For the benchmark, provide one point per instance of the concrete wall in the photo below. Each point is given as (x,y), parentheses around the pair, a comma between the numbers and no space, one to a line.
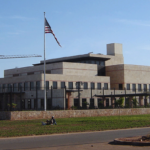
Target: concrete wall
(55,68)
(79,69)
(116,74)
(131,74)
(137,74)
(27,115)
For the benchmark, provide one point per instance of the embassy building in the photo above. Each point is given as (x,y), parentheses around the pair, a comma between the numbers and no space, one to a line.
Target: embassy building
(82,81)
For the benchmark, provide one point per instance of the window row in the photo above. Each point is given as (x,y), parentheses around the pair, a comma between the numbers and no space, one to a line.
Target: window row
(101,63)
(81,85)
(26,86)
(139,87)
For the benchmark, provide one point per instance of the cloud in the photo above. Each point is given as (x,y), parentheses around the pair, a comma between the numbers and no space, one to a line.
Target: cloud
(134,22)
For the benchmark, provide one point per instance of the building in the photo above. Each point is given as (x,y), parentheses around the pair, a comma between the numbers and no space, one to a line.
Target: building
(94,79)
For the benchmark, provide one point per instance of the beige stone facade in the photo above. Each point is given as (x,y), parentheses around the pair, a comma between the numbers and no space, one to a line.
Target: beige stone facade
(100,77)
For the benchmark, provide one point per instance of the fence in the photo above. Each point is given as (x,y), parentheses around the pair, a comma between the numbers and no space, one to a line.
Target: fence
(32,98)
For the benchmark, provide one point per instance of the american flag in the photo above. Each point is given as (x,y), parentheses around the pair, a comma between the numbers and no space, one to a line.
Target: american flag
(49,30)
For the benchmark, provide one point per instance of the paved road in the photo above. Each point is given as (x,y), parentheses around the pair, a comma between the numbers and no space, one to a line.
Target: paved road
(68,139)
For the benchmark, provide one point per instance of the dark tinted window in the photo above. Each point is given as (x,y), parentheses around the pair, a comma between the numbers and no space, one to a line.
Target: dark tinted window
(139,87)
(92,85)
(145,87)
(47,85)
(54,85)
(38,85)
(70,85)
(62,84)
(106,86)
(85,85)
(133,87)
(128,86)
(99,86)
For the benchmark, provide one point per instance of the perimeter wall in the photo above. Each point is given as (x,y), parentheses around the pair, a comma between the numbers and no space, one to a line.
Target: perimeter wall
(28,115)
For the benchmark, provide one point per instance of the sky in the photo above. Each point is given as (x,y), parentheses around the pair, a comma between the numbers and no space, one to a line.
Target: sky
(81,26)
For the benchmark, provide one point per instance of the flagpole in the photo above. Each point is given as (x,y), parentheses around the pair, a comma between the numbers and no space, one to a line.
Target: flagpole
(44,69)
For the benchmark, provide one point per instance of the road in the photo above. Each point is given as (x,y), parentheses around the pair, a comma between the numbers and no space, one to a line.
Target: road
(69,139)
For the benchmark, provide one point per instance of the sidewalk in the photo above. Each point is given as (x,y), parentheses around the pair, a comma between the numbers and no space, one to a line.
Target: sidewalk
(95,146)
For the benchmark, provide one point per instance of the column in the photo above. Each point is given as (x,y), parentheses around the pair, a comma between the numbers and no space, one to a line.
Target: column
(95,103)
(141,101)
(130,101)
(104,101)
(113,102)
(88,101)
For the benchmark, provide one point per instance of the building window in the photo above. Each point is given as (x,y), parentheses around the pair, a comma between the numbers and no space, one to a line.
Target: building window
(9,88)
(100,103)
(106,86)
(29,103)
(107,102)
(93,61)
(102,63)
(62,85)
(92,85)
(145,87)
(97,62)
(99,86)
(25,86)
(3,87)
(54,85)
(76,102)
(15,75)
(91,103)
(47,85)
(139,87)
(30,73)
(120,87)
(77,85)
(19,86)
(128,86)
(48,71)
(15,87)
(38,85)
(133,87)
(42,104)
(70,85)
(84,106)
(31,85)
(85,85)
(23,104)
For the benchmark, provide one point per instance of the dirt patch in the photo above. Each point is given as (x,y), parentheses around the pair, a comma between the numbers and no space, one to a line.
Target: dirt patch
(137,141)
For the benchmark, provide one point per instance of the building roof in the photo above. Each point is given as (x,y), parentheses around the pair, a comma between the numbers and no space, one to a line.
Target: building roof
(76,58)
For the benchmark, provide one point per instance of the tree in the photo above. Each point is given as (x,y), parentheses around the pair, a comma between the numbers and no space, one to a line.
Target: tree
(119,102)
(135,102)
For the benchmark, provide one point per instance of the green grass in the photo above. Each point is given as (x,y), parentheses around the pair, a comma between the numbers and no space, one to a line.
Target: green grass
(65,125)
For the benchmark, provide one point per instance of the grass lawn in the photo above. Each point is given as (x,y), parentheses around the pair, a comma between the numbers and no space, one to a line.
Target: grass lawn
(65,125)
